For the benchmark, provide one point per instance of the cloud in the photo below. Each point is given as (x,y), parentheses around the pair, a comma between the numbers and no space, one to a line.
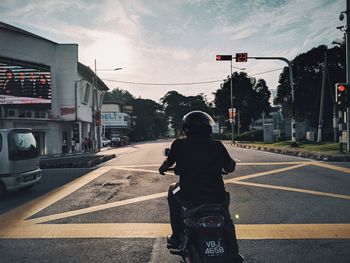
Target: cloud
(176,41)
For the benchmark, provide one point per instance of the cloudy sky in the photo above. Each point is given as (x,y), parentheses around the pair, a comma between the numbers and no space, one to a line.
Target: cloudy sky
(175,41)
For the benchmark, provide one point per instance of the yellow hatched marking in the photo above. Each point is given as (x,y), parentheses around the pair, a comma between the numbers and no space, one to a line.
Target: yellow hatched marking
(239,164)
(244,177)
(95,208)
(150,230)
(139,199)
(332,167)
(12,224)
(291,189)
(163,194)
(36,205)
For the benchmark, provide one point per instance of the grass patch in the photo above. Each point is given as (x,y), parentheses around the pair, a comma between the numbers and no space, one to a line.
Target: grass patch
(327,147)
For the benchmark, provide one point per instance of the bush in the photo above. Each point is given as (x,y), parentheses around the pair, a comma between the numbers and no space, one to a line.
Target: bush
(255,135)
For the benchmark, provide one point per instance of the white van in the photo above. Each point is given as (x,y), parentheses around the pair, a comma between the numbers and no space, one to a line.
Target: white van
(19,159)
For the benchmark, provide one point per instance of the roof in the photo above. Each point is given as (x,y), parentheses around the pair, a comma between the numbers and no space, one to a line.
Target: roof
(89,75)
(119,102)
(21,31)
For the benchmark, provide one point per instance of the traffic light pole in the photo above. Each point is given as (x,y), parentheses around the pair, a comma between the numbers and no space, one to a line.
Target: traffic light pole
(291,87)
(347,34)
(340,123)
(232,124)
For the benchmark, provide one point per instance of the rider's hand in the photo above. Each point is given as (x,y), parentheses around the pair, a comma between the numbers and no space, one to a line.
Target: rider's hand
(162,169)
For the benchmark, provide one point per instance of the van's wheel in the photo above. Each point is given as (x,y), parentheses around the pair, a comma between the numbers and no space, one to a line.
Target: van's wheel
(3,189)
(26,188)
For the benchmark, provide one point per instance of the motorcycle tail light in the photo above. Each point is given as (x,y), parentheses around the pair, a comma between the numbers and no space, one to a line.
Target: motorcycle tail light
(211,221)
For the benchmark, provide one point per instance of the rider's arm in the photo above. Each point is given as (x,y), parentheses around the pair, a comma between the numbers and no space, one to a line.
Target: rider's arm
(229,164)
(170,160)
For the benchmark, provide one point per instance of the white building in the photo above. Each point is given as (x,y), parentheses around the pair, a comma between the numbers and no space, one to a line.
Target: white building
(116,119)
(65,111)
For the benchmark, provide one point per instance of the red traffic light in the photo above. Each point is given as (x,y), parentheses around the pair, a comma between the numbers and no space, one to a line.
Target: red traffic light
(341,88)
(223,57)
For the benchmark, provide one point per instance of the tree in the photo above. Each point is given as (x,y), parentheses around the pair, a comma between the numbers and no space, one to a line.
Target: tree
(307,70)
(150,120)
(250,98)
(177,105)
(118,95)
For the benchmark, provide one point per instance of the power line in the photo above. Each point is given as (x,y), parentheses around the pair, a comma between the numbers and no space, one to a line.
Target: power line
(183,83)
(260,73)
(163,84)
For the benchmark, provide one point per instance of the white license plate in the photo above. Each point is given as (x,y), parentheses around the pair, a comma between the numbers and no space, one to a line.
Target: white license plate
(214,248)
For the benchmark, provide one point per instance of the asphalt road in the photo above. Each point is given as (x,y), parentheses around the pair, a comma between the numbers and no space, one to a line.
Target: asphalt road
(286,209)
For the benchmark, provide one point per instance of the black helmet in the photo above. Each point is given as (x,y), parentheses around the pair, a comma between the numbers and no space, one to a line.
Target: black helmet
(197,123)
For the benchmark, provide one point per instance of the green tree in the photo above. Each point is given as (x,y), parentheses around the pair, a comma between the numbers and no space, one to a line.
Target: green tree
(250,98)
(118,95)
(307,70)
(150,120)
(177,105)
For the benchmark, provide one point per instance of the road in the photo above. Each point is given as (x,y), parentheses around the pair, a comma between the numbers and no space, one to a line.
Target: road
(286,209)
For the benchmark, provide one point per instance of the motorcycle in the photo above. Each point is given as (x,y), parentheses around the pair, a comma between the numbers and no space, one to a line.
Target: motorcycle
(203,239)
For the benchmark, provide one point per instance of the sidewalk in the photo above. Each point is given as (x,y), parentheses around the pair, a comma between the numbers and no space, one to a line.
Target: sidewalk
(76,160)
(299,152)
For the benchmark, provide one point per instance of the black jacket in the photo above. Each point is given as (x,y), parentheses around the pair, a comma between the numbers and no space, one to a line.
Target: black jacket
(199,163)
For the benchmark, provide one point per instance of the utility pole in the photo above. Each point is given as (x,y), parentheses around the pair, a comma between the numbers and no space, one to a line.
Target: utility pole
(93,112)
(320,118)
(347,34)
(232,120)
(239,123)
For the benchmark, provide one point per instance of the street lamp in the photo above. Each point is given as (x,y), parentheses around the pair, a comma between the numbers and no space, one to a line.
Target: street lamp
(108,69)
(94,110)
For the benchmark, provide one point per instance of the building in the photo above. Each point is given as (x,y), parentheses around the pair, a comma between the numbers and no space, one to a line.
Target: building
(116,119)
(45,88)
(274,120)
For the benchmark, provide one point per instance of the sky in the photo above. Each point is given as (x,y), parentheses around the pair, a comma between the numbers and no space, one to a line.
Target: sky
(175,41)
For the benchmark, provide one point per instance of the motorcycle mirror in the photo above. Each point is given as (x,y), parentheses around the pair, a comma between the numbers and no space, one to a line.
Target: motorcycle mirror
(166,151)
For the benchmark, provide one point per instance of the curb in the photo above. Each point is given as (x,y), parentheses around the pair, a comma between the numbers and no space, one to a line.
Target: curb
(75,162)
(309,155)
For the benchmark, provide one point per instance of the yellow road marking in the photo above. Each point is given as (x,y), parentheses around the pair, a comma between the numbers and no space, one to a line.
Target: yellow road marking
(244,177)
(95,208)
(142,198)
(150,230)
(272,163)
(12,224)
(240,164)
(140,165)
(291,189)
(36,205)
(332,167)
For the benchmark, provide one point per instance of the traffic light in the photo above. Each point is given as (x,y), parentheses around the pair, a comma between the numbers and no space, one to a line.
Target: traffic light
(98,117)
(223,57)
(342,98)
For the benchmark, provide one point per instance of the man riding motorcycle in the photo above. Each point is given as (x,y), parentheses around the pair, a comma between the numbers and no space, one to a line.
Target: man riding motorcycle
(199,163)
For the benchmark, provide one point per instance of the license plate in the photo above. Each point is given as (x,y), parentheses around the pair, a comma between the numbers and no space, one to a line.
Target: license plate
(214,248)
(29,177)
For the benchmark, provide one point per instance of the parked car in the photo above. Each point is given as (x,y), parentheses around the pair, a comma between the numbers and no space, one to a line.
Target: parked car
(116,141)
(106,142)
(125,140)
